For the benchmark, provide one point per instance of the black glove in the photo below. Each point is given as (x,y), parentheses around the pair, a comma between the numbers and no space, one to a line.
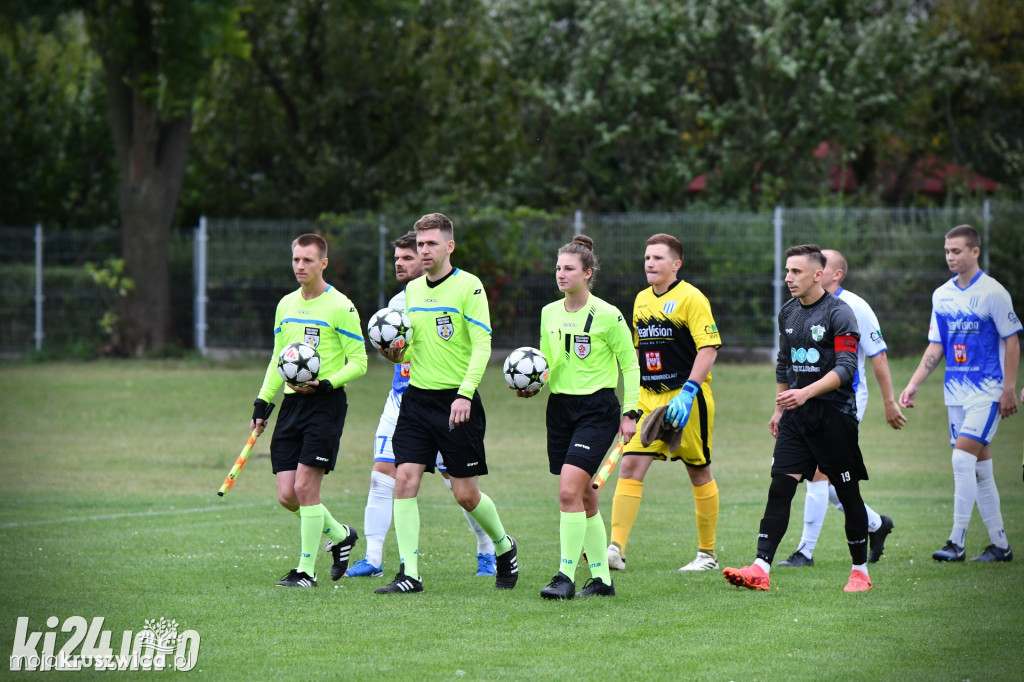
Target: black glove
(324,386)
(261,409)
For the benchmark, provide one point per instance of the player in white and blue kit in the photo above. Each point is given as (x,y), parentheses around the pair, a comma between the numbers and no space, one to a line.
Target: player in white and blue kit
(973,325)
(872,345)
(377,516)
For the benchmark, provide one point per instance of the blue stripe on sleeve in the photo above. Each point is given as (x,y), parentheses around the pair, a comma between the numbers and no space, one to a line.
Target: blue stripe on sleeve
(299,320)
(479,324)
(350,335)
(434,310)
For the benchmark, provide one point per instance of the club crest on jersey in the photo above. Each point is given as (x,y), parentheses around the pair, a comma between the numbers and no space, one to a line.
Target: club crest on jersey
(960,353)
(668,307)
(581,345)
(817,332)
(445,328)
(311,335)
(652,359)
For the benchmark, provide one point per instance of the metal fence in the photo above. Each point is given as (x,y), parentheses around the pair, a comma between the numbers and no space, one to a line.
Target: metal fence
(48,298)
(230,274)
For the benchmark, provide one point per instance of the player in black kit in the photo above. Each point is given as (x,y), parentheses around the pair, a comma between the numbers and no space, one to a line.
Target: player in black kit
(815,419)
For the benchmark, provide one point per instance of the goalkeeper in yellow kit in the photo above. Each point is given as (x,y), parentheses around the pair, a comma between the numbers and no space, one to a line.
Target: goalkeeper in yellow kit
(677,342)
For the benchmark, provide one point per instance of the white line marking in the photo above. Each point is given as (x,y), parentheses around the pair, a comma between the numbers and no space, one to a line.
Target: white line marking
(128,515)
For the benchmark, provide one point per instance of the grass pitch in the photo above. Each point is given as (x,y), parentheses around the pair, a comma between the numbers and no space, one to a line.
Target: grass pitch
(108,507)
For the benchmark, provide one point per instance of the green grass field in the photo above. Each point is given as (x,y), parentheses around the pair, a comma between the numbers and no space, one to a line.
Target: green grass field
(108,507)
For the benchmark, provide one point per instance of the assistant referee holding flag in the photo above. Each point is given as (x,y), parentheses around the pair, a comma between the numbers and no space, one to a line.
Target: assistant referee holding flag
(305,444)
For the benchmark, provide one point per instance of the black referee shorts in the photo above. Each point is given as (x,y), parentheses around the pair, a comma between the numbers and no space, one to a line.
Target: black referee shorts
(581,428)
(308,431)
(816,435)
(422,431)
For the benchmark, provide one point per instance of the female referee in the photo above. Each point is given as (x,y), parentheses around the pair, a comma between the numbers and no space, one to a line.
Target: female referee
(586,342)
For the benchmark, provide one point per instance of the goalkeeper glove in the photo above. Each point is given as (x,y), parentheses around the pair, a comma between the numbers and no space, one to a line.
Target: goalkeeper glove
(678,412)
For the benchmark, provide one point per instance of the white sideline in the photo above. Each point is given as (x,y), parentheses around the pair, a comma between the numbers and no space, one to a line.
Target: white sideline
(128,515)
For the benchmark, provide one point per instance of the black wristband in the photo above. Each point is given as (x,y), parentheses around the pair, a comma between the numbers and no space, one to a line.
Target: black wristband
(260,409)
(634,414)
(324,386)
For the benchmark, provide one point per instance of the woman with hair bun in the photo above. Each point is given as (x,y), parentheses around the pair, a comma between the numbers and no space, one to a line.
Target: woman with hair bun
(587,344)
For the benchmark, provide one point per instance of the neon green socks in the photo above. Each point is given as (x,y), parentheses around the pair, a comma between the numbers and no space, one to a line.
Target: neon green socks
(407,532)
(486,514)
(334,531)
(595,544)
(311,525)
(572,529)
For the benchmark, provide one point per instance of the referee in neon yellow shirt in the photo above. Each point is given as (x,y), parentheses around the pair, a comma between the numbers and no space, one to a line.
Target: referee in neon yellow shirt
(586,342)
(441,409)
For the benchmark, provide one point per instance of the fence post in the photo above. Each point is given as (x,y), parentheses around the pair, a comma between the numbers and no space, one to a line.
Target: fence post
(199,244)
(39,287)
(577,222)
(986,221)
(777,280)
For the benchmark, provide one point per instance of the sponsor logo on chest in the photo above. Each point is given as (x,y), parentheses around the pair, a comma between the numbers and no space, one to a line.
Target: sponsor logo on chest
(652,360)
(960,353)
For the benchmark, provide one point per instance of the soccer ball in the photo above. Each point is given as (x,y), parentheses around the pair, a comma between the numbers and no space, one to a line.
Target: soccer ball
(526,369)
(389,328)
(298,363)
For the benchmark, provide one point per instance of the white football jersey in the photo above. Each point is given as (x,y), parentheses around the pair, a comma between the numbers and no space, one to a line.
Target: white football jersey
(871,344)
(971,324)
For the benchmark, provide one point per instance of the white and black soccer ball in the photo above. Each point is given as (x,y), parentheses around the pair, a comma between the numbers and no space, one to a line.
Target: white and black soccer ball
(298,363)
(389,328)
(526,369)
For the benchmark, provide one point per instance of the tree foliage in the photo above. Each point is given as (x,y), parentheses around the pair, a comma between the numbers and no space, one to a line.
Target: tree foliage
(346,106)
(596,104)
(981,117)
(55,149)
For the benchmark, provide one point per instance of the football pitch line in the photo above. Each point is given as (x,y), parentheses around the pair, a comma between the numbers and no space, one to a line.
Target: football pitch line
(129,515)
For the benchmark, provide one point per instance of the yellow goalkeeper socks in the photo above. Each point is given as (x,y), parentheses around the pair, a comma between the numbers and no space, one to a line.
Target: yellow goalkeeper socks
(705,498)
(625,507)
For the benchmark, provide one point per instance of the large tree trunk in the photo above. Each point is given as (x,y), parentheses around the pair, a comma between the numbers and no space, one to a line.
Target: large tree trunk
(151,154)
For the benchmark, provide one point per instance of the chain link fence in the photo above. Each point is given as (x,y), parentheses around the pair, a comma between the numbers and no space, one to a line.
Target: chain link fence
(227,282)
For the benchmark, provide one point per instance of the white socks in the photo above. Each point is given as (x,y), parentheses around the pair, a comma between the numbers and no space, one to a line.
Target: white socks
(815,506)
(965,493)
(377,517)
(988,504)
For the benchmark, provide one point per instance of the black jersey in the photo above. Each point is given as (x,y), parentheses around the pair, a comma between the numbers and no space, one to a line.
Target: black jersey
(817,339)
